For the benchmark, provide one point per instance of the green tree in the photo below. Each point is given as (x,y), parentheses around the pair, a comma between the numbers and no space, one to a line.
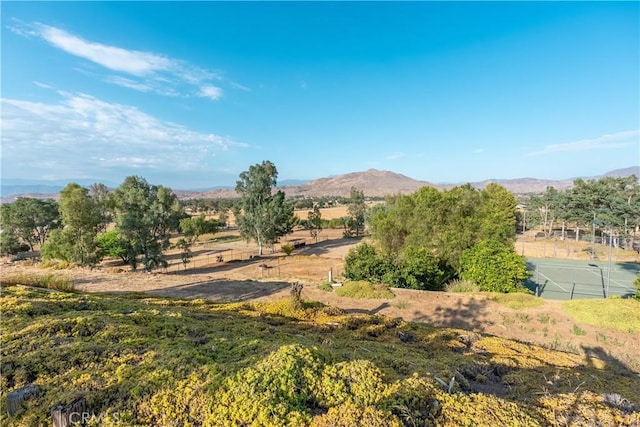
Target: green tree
(113,245)
(81,221)
(498,214)
(194,227)
(314,222)
(10,244)
(186,254)
(102,197)
(494,267)
(547,206)
(145,215)
(356,209)
(390,223)
(261,215)
(29,220)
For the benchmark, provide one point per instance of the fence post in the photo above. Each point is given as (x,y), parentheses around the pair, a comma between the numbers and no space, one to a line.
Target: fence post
(573,283)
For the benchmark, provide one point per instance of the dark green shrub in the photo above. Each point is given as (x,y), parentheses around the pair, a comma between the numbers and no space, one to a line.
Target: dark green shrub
(494,266)
(419,269)
(637,285)
(364,263)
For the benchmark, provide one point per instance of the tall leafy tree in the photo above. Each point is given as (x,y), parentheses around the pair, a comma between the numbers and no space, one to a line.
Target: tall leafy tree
(547,206)
(101,195)
(357,209)
(194,227)
(29,220)
(261,215)
(314,221)
(145,215)
(498,214)
(81,221)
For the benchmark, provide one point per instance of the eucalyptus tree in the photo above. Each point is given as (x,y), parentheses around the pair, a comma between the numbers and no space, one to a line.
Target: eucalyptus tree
(145,215)
(81,221)
(29,220)
(261,215)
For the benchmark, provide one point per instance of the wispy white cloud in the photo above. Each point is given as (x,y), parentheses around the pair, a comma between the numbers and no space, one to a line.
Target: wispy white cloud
(211,92)
(88,136)
(134,62)
(607,141)
(128,83)
(395,156)
(236,85)
(145,71)
(42,85)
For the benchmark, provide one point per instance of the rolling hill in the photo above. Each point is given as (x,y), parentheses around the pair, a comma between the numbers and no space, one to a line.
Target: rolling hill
(374,183)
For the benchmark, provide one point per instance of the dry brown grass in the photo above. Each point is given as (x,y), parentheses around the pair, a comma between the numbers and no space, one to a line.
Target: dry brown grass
(570,249)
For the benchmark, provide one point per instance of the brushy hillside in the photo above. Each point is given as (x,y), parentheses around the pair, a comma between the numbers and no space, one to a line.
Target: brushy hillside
(140,360)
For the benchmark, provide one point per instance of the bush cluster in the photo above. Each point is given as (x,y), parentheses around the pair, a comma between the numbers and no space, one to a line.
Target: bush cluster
(488,266)
(494,267)
(417,268)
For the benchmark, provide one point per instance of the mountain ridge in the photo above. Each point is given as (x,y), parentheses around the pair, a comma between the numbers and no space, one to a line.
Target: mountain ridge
(373,182)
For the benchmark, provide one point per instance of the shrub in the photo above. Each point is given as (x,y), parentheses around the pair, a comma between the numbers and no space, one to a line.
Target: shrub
(325,287)
(418,269)
(461,285)
(366,290)
(358,381)
(637,285)
(276,391)
(494,266)
(364,263)
(288,248)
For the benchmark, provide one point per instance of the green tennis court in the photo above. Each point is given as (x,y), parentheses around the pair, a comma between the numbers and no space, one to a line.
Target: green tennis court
(572,279)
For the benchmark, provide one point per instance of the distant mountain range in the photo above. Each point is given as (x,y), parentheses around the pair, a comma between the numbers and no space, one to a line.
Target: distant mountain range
(373,182)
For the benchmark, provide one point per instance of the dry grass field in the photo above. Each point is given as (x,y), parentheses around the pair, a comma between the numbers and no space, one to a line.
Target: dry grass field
(570,249)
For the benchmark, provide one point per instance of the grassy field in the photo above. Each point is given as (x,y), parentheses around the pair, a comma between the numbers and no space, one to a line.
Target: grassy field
(141,360)
(362,289)
(515,301)
(620,314)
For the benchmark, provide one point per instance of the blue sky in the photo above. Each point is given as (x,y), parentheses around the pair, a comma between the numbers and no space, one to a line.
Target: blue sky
(190,94)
